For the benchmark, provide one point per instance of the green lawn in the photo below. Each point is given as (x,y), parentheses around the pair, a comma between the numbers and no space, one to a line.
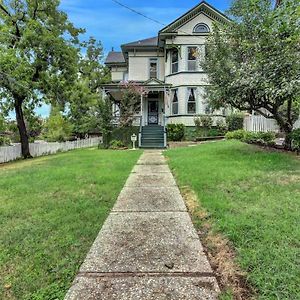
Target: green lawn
(51,209)
(253,198)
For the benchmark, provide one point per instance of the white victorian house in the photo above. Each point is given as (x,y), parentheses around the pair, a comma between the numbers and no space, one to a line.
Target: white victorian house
(168,67)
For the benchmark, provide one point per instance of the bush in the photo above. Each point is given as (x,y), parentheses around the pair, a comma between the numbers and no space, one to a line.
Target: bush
(214,132)
(235,121)
(203,121)
(237,134)
(116,144)
(221,126)
(175,132)
(4,141)
(295,137)
(262,138)
(124,134)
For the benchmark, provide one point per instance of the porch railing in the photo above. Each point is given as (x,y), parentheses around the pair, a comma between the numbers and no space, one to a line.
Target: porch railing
(140,131)
(165,129)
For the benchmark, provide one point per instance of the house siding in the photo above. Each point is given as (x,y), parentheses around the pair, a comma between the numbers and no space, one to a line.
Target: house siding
(138,55)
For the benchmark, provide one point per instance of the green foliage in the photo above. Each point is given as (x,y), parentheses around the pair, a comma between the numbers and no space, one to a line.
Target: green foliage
(34,125)
(295,137)
(214,132)
(130,104)
(175,132)
(104,121)
(203,121)
(116,144)
(57,128)
(262,138)
(3,124)
(235,121)
(4,141)
(253,62)
(38,57)
(86,103)
(124,134)
(221,126)
(237,134)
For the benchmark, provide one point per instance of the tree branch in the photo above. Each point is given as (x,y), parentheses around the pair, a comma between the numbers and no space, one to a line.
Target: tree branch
(5,10)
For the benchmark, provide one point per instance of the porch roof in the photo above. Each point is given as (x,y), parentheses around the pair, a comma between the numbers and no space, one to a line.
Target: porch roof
(114,89)
(151,83)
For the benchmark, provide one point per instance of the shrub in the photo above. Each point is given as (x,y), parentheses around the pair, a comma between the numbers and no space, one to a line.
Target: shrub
(237,134)
(203,121)
(262,138)
(175,132)
(221,126)
(235,121)
(214,132)
(295,137)
(4,141)
(116,144)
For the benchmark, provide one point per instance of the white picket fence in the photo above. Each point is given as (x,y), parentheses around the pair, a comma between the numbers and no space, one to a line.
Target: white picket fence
(9,153)
(260,124)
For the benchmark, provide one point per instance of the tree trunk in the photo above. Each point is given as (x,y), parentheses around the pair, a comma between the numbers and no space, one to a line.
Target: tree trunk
(278,2)
(22,129)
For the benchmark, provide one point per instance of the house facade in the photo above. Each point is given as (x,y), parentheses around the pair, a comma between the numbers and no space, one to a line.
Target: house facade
(168,67)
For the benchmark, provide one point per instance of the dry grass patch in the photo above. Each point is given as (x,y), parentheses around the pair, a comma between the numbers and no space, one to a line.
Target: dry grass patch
(218,249)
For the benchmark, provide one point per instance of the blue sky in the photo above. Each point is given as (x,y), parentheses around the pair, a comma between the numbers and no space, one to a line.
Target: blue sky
(114,25)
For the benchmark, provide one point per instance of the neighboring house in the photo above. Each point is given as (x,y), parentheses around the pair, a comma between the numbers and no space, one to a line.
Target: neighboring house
(168,67)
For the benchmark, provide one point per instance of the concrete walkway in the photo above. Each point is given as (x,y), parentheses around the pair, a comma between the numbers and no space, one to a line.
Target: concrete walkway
(148,247)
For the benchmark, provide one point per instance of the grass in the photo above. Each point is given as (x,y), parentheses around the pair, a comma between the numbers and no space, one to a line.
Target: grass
(253,198)
(51,211)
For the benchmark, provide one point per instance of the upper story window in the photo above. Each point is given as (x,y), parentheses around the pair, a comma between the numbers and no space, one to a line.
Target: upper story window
(191,104)
(192,58)
(174,61)
(153,68)
(201,28)
(175,103)
(125,76)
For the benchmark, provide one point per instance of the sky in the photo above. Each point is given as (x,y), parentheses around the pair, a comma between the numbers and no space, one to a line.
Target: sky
(114,25)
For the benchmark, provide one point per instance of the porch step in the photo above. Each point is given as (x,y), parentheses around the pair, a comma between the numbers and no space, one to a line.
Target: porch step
(152,136)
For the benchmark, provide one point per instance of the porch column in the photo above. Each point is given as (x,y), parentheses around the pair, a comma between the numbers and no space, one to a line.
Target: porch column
(142,109)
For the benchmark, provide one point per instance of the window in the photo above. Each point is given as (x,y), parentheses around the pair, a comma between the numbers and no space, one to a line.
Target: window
(174,61)
(201,28)
(175,103)
(191,104)
(153,68)
(192,58)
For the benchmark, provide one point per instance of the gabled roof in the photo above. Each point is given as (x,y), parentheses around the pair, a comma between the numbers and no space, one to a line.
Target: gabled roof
(114,57)
(153,81)
(202,7)
(150,42)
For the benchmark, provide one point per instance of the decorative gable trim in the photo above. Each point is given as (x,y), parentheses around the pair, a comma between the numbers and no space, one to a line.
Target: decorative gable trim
(153,81)
(204,8)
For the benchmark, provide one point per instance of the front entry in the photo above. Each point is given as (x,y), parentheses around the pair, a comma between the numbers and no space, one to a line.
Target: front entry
(152,112)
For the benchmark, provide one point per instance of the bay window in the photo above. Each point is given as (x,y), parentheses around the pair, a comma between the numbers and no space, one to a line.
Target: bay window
(191,103)
(174,61)
(175,103)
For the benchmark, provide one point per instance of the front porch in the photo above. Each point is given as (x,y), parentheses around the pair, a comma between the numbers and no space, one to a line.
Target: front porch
(151,119)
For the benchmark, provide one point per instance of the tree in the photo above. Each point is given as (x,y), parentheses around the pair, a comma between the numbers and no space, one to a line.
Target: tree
(253,63)
(57,128)
(86,94)
(130,104)
(104,120)
(38,57)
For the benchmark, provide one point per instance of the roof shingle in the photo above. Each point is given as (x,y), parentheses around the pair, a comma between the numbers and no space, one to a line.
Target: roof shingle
(146,42)
(115,57)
